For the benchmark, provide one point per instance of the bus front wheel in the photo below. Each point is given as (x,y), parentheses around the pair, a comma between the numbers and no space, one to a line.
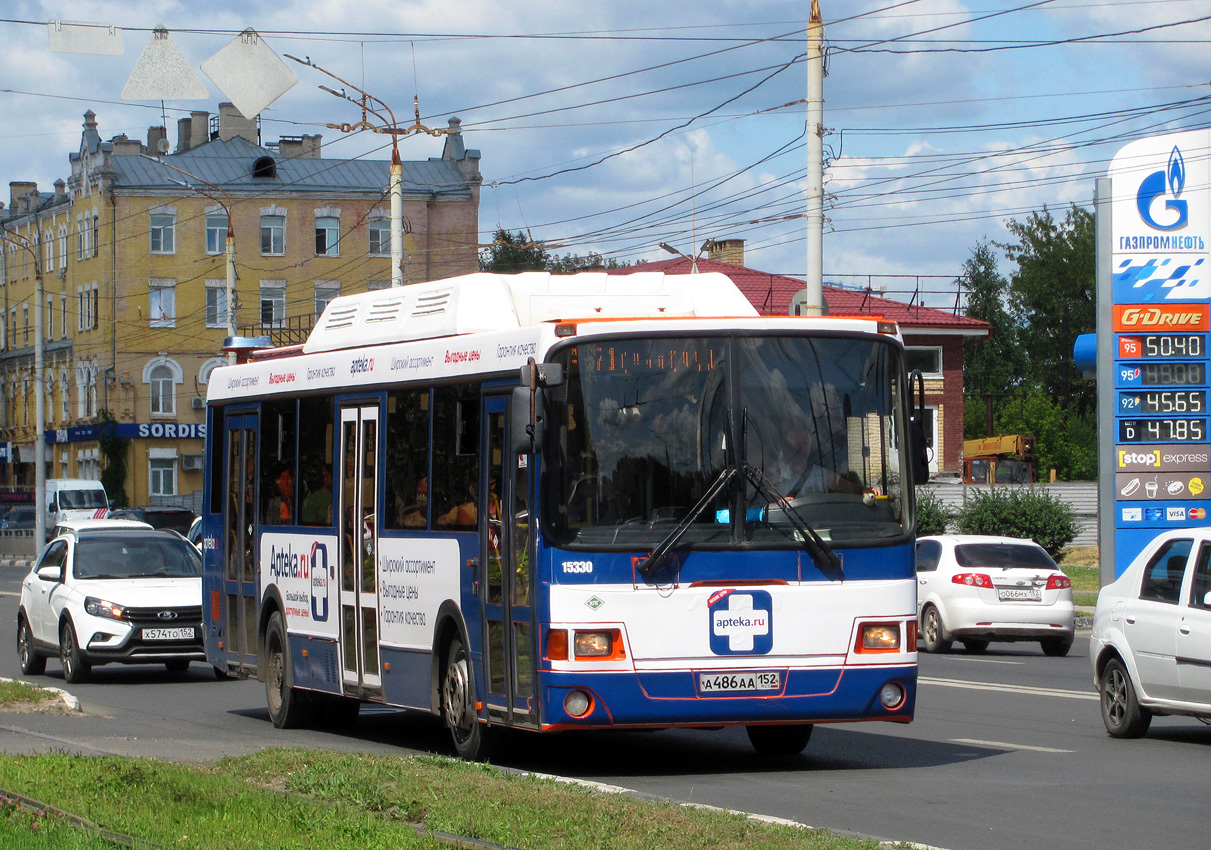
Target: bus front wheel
(458,705)
(287,706)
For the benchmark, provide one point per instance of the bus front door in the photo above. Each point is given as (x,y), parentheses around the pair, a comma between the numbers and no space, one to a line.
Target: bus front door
(239,535)
(507,594)
(361,673)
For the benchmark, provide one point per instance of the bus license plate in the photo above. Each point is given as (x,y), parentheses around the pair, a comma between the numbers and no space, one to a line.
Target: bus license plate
(1019,594)
(168,634)
(760,680)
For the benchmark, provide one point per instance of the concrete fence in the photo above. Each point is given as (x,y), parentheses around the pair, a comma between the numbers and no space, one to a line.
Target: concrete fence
(1081,495)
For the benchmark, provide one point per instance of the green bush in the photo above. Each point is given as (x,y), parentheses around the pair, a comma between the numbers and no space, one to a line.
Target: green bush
(1030,513)
(932,515)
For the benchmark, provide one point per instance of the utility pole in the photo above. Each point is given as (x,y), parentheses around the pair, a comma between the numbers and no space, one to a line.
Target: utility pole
(389,126)
(813,304)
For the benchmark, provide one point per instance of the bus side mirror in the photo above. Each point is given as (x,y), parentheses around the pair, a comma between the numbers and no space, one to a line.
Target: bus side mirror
(527,430)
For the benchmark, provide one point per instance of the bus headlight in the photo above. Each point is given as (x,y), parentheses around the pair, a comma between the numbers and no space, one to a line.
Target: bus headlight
(878,637)
(594,644)
(891,695)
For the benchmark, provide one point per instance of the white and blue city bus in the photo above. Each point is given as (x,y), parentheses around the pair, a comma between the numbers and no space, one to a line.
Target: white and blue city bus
(568,503)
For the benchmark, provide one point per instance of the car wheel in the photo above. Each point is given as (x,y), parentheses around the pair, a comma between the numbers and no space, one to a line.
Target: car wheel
(975,646)
(458,705)
(780,740)
(75,668)
(932,631)
(1121,712)
(288,706)
(1056,647)
(32,664)
(176,666)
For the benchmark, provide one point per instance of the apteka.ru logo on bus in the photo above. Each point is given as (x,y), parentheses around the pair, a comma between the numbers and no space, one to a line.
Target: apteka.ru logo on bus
(741,622)
(285,563)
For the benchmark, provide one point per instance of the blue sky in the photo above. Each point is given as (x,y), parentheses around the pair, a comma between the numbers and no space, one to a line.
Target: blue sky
(616,126)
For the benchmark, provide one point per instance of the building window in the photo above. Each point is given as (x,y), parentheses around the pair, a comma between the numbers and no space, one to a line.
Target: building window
(216,303)
(50,317)
(94,320)
(63,246)
(380,238)
(273,235)
(162,476)
(325,291)
(63,313)
(216,232)
(162,302)
(25,312)
(327,236)
(96,240)
(79,237)
(273,303)
(64,395)
(163,391)
(163,231)
(926,358)
(48,242)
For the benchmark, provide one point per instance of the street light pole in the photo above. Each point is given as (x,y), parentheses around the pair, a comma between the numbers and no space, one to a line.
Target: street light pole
(39,396)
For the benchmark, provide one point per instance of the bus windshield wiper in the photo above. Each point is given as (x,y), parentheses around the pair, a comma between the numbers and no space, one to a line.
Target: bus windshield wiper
(820,551)
(657,555)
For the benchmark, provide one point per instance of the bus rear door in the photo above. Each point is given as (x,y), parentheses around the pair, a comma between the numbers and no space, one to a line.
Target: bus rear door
(239,536)
(505,530)
(360,665)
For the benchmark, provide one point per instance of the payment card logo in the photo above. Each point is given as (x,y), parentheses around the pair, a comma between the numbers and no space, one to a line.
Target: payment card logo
(1168,184)
(741,622)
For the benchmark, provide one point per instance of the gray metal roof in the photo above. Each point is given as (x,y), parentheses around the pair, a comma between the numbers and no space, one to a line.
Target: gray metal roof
(228,164)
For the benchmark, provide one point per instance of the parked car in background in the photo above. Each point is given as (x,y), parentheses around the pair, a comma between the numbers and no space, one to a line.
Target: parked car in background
(74,498)
(20,517)
(1151,640)
(176,518)
(977,589)
(111,595)
(195,533)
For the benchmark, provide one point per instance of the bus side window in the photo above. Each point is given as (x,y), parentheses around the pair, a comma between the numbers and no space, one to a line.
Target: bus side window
(455,456)
(279,431)
(407,460)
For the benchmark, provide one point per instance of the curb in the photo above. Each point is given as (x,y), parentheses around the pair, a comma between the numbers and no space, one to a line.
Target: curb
(70,702)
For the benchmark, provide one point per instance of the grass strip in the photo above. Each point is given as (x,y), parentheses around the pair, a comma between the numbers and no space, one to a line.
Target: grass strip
(308,799)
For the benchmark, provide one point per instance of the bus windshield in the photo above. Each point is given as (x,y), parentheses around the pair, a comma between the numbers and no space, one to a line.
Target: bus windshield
(744,439)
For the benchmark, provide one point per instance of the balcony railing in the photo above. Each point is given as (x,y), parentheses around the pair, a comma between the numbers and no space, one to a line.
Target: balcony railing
(293,330)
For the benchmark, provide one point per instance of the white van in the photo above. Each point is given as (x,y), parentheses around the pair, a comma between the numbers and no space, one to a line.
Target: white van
(74,498)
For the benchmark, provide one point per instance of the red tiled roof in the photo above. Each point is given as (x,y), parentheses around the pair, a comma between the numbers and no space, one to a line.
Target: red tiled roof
(771,295)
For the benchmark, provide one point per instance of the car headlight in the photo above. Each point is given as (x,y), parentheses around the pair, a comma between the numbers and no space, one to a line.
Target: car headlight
(104,608)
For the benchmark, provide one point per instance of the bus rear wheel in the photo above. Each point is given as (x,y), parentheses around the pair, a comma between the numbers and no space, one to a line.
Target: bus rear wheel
(780,740)
(470,737)
(288,707)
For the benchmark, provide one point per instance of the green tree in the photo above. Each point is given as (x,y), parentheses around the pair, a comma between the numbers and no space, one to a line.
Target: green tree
(1064,440)
(517,252)
(991,365)
(116,451)
(1052,294)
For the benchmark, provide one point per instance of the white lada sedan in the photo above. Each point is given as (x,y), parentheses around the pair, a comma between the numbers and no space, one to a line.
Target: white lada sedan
(111,595)
(1151,641)
(977,589)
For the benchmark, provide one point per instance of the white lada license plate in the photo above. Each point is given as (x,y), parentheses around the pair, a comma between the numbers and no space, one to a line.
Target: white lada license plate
(752,680)
(168,634)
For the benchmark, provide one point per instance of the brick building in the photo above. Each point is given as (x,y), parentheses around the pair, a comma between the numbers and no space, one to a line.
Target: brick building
(134,278)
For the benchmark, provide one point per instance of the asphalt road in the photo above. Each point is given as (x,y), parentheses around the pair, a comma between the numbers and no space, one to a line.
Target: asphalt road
(1007,751)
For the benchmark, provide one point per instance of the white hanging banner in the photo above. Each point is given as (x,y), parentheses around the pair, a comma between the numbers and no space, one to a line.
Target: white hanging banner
(99,39)
(249,73)
(163,73)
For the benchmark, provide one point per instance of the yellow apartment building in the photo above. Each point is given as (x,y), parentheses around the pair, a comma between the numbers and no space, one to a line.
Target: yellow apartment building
(132,255)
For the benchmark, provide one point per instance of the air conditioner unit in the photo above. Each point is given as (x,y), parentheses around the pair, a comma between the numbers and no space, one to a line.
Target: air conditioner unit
(191,463)
(198,402)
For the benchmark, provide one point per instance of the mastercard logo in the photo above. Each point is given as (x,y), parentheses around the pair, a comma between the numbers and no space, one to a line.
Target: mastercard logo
(1197,513)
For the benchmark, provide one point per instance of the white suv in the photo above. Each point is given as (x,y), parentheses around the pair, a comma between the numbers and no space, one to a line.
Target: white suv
(1151,639)
(102,595)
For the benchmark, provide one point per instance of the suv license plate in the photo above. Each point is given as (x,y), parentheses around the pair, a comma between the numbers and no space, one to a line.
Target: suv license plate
(168,634)
(1019,594)
(760,680)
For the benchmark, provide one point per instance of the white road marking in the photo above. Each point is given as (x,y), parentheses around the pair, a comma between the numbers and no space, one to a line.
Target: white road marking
(982,660)
(1009,689)
(1001,745)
